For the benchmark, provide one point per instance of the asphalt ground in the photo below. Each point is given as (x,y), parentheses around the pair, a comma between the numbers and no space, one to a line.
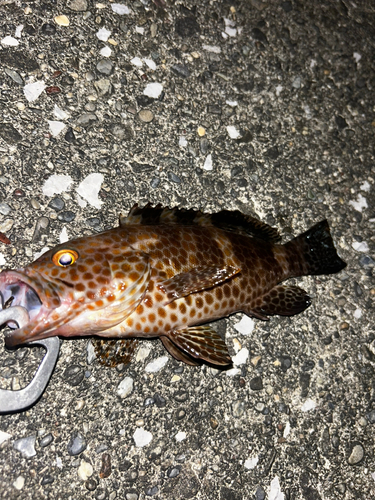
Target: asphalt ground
(294,82)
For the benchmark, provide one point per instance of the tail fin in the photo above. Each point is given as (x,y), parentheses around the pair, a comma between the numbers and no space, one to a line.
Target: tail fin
(316,251)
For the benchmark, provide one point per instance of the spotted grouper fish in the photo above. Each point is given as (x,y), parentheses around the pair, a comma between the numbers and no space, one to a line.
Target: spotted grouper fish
(167,273)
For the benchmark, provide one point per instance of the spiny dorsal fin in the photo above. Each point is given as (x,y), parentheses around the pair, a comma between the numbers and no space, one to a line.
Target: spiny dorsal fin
(227,220)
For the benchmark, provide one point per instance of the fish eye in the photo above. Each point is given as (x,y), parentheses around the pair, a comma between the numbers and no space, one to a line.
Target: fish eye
(65,258)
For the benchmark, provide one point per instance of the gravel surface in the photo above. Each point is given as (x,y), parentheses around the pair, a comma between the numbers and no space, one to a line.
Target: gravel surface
(263,106)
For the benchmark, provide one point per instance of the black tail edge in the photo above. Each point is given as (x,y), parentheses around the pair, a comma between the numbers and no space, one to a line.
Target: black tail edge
(318,250)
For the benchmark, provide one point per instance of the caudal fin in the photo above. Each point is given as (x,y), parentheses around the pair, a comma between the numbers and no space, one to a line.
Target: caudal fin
(315,252)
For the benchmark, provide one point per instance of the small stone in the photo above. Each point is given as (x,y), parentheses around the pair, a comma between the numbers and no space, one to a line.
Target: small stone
(74,375)
(356,454)
(5,208)
(103,86)
(105,66)
(77,444)
(153,90)
(48,29)
(174,178)
(256,384)
(156,364)
(47,439)
(77,5)
(87,119)
(69,136)
(106,468)
(125,387)
(371,417)
(19,483)
(14,76)
(201,131)
(181,70)
(26,446)
(146,116)
(238,408)
(142,437)
(56,204)
(85,470)
(9,133)
(62,20)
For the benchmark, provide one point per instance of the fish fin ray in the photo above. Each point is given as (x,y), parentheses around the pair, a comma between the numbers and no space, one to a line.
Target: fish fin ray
(111,353)
(177,353)
(197,279)
(317,250)
(203,343)
(283,301)
(228,220)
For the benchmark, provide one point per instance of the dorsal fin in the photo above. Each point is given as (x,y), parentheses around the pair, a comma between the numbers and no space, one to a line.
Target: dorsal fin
(227,220)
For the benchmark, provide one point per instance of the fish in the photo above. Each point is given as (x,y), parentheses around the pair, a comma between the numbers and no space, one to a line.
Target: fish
(167,273)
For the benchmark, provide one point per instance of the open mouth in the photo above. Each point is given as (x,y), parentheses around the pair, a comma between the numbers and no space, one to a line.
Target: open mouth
(19,302)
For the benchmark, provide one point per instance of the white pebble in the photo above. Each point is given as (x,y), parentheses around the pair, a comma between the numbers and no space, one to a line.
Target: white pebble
(56,127)
(150,63)
(212,48)
(64,236)
(251,463)
(89,189)
(105,51)
(231,31)
(2,263)
(232,104)
(278,90)
(360,204)
(308,405)
(241,357)
(360,246)
(121,9)
(180,436)
(208,163)
(19,483)
(357,56)
(33,90)
(232,372)
(10,41)
(245,326)
(156,364)
(357,313)
(365,186)
(275,492)
(18,31)
(4,436)
(182,141)
(59,113)
(142,353)
(125,387)
(233,132)
(142,437)
(286,430)
(140,30)
(56,184)
(85,470)
(137,62)
(153,90)
(103,34)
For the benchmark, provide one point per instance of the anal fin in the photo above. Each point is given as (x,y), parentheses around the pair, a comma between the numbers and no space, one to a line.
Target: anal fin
(282,300)
(197,279)
(177,353)
(202,343)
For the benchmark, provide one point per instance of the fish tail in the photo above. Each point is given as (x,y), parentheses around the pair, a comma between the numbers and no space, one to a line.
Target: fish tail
(316,251)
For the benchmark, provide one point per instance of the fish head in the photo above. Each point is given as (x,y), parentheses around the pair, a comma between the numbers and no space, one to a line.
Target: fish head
(78,288)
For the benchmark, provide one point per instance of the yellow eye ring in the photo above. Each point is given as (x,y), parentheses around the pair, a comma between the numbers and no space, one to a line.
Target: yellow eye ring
(65,258)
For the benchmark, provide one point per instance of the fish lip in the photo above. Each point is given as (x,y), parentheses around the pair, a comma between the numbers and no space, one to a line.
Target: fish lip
(27,286)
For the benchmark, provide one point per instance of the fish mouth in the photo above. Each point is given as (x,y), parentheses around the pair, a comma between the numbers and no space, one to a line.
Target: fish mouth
(17,289)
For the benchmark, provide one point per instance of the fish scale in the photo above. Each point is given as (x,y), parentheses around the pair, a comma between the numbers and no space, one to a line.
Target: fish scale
(166,273)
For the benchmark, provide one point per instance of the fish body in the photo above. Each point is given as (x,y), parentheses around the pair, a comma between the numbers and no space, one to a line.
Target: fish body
(167,273)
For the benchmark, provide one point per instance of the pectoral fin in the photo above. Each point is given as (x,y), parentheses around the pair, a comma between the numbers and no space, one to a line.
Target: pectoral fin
(282,300)
(202,343)
(177,353)
(198,279)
